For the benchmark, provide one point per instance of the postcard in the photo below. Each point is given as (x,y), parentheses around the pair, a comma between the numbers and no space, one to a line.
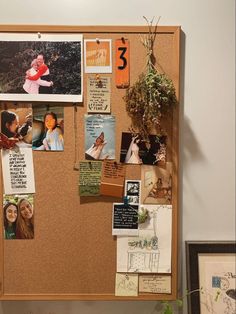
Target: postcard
(90,178)
(99,137)
(41,68)
(98,55)
(133,191)
(99,94)
(155,284)
(150,252)
(134,150)
(48,128)
(113,178)
(16,127)
(156,184)
(125,219)
(18,216)
(18,171)
(217,275)
(126,285)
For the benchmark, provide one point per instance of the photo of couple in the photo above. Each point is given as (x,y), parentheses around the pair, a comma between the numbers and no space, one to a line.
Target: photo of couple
(47,69)
(134,150)
(18,217)
(38,80)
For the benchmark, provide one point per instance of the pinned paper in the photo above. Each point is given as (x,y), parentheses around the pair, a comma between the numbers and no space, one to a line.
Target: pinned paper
(18,172)
(126,285)
(99,94)
(90,178)
(113,176)
(125,219)
(122,63)
(155,284)
(150,252)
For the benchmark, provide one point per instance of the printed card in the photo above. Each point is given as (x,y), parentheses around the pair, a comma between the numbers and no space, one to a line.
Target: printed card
(154,284)
(90,178)
(113,177)
(133,191)
(99,137)
(99,94)
(126,285)
(125,219)
(18,172)
(150,252)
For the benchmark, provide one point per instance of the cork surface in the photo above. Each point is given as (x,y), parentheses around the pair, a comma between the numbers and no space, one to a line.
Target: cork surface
(74,252)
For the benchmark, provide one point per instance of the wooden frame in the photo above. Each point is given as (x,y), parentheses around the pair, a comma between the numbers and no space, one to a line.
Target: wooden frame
(108,31)
(194,250)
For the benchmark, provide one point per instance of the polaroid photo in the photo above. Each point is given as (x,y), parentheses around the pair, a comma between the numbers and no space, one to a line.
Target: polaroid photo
(98,56)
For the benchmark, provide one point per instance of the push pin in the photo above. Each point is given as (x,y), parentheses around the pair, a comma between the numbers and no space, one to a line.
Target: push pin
(97,41)
(39,35)
(123,40)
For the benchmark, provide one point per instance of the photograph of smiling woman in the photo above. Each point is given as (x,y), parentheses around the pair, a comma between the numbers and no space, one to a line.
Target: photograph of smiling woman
(25,219)
(10,216)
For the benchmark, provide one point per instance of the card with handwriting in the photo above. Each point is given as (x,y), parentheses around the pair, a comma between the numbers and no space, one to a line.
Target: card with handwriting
(125,219)
(155,284)
(126,285)
(99,94)
(90,178)
(113,176)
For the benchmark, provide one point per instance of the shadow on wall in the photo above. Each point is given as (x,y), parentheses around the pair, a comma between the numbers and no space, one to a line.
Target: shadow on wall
(75,307)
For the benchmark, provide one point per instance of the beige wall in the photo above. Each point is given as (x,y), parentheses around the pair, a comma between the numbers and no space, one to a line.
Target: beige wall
(207,115)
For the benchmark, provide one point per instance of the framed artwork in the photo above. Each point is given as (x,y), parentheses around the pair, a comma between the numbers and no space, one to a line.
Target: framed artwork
(211,277)
(41,67)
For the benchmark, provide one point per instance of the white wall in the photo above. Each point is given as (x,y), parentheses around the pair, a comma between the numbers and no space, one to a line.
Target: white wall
(207,114)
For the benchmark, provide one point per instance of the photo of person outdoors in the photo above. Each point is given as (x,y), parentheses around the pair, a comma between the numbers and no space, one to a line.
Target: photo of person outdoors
(38,78)
(18,216)
(48,129)
(32,69)
(10,212)
(16,127)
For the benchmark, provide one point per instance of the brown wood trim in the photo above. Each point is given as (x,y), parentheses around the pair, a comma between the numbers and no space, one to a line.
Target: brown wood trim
(83,29)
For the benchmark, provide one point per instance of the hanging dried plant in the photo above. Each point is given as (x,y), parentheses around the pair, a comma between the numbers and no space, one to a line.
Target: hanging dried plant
(152,96)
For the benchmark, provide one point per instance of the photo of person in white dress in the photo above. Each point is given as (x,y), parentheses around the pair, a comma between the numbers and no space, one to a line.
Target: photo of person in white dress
(132,156)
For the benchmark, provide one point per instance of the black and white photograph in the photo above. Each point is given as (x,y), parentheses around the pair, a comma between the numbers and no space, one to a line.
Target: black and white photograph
(41,67)
(132,191)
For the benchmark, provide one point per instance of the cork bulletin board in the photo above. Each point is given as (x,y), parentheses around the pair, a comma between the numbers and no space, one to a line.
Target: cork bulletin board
(73,253)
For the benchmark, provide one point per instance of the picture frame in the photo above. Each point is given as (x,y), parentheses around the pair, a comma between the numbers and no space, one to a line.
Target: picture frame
(41,67)
(211,276)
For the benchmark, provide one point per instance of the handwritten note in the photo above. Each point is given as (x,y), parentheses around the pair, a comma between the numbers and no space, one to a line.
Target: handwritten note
(18,173)
(99,94)
(126,285)
(125,219)
(155,284)
(89,178)
(113,176)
